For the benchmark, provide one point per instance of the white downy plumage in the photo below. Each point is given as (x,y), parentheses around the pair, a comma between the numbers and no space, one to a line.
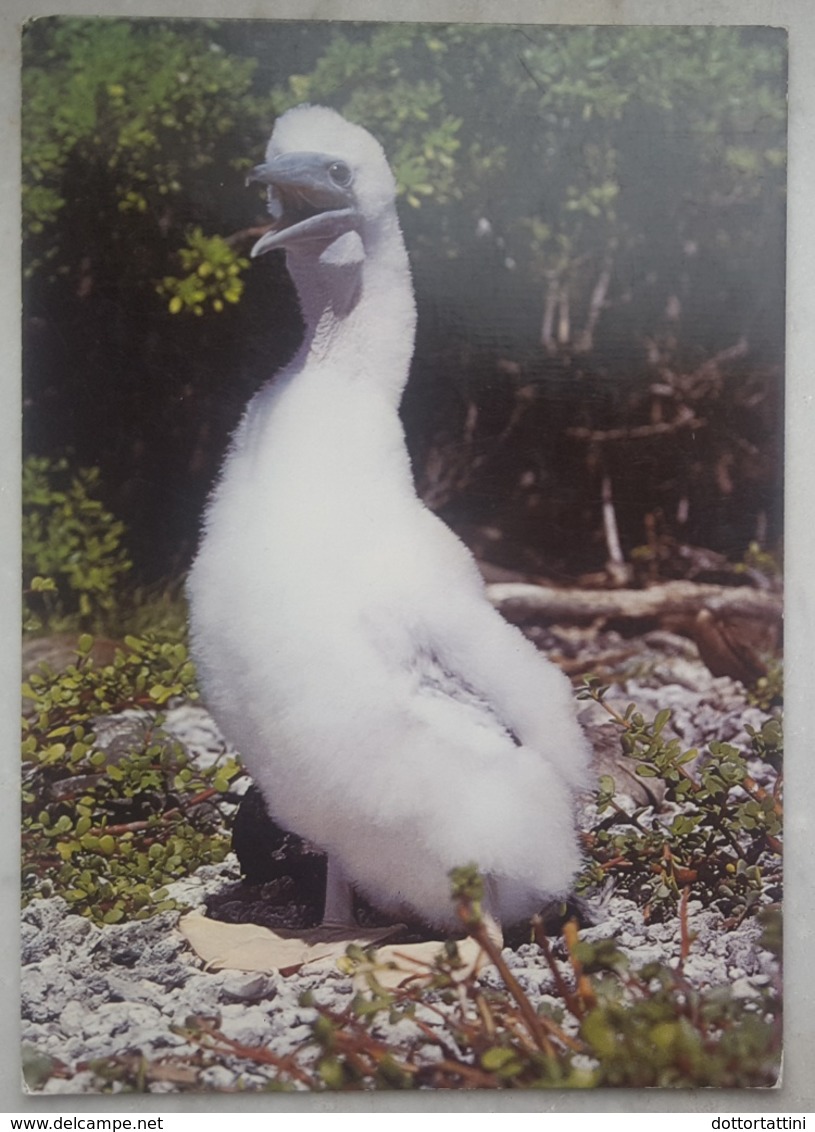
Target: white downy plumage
(344,642)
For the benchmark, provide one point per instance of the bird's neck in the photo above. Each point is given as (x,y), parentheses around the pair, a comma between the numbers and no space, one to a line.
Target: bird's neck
(359,312)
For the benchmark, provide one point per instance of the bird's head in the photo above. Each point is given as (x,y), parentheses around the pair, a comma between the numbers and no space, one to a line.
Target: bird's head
(326,177)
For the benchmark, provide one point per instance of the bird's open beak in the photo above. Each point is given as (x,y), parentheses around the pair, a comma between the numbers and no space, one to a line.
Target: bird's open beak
(304,202)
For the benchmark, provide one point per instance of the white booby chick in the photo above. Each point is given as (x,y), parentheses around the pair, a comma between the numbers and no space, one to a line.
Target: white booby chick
(343,639)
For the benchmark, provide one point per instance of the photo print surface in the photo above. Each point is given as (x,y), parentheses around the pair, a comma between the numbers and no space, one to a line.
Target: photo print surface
(402,529)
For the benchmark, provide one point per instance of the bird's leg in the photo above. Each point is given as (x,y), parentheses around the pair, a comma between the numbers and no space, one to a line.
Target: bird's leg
(489,914)
(338,911)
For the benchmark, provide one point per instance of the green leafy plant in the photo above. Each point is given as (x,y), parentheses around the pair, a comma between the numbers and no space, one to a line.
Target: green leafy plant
(768,691)
(212,275)
(73,557)
(716,834)
(107,826)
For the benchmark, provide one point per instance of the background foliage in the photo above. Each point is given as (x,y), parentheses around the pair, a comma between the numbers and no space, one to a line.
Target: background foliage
(595,218)
(73,558)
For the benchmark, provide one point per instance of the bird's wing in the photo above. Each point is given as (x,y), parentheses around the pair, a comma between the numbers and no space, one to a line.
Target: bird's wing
(437,680)
(481,660)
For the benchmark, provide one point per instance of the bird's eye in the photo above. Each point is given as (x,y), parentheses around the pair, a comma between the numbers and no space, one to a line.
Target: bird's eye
(340,173)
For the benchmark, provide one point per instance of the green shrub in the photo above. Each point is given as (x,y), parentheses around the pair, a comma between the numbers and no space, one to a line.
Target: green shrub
(107,828)
(212,275)
(718,831)
(73,557)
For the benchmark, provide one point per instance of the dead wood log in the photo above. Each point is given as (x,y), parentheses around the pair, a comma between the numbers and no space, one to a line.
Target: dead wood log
(522,603)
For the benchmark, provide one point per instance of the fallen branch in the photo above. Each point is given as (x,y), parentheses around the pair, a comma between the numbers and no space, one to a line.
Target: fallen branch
(684,419)
(521,602)
(176,811)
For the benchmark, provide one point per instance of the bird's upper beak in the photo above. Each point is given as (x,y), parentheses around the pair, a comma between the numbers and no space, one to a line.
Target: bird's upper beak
(305,202)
